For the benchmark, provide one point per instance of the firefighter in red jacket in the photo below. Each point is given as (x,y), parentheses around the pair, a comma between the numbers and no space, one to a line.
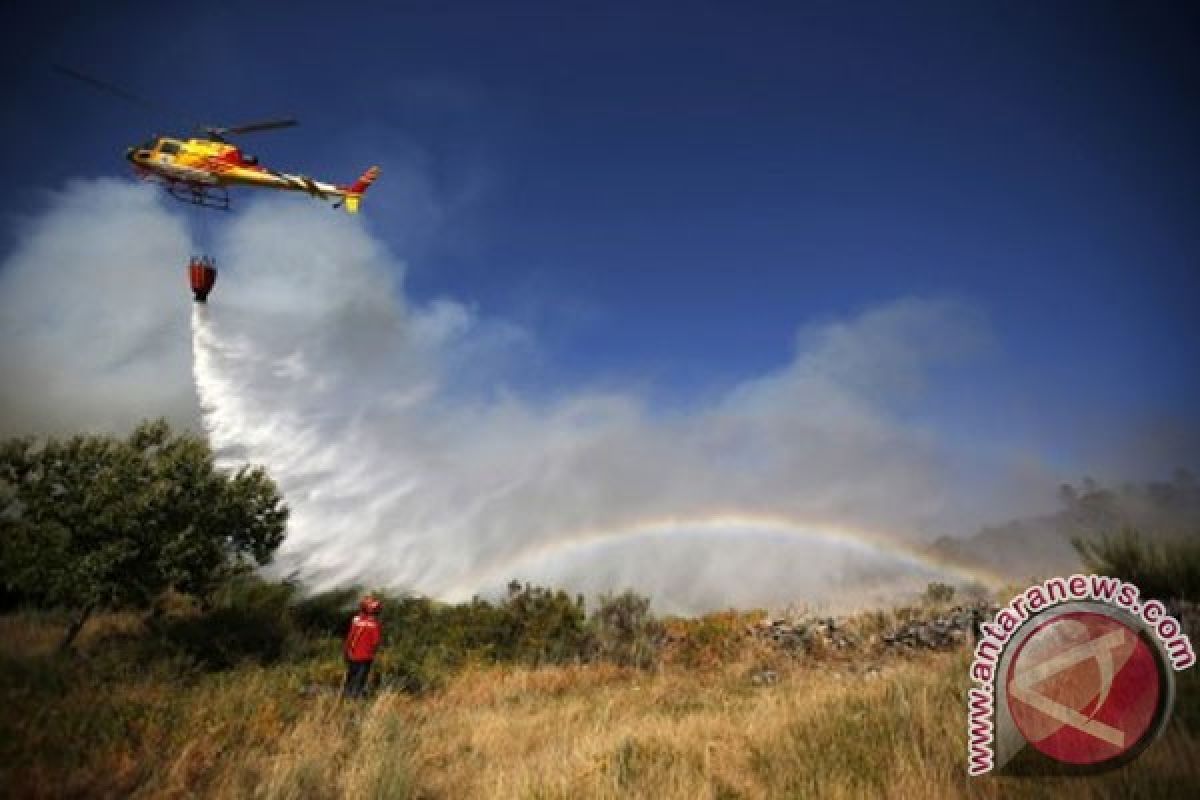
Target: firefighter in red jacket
(362,640)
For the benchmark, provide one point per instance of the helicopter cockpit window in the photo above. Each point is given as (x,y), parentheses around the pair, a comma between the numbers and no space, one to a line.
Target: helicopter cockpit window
(171,148)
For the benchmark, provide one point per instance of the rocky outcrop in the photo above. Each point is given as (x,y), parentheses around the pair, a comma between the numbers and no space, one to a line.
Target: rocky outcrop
(942,632)
(934,630)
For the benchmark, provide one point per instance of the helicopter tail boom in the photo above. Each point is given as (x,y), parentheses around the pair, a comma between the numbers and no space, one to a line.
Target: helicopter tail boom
(354,192)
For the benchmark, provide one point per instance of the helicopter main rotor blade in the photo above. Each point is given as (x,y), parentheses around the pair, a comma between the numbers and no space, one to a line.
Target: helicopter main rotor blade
(115,91)
(254,127)
(265,125)
(216,132)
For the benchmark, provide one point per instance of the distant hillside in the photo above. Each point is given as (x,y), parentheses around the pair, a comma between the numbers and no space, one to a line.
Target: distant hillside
(1040,546)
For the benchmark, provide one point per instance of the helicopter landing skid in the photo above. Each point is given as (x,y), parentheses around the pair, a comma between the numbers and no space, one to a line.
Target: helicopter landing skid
(214,197)
(197,194)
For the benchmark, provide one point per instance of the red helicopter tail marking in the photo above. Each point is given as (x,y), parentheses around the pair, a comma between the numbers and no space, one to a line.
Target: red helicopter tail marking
(364,181)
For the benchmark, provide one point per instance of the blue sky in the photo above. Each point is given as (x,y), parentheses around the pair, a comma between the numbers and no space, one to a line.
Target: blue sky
(668,192)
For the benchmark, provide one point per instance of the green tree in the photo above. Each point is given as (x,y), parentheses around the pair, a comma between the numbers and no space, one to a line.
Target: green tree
(98,522)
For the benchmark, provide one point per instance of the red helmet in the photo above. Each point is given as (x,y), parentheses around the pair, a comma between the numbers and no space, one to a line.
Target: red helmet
(369,605)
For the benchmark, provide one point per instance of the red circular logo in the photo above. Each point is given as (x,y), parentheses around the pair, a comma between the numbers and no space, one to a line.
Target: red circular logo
(1084,688)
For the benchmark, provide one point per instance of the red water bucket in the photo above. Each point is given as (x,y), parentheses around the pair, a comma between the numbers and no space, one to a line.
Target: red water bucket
(202,274)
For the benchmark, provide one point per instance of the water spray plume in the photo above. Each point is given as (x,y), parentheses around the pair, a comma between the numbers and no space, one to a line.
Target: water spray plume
(403,467)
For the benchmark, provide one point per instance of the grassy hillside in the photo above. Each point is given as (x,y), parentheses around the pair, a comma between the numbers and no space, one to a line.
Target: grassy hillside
(127,715)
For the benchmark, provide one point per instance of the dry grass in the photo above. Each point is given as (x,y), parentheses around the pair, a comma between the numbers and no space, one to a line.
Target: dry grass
(597,733)
(823,730)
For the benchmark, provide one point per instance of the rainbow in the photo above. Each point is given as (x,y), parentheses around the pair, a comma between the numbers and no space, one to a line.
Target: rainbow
(722,523)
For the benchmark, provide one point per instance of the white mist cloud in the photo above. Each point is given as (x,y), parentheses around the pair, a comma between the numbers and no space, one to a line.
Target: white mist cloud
(93,322)
(406,460)
(403,468)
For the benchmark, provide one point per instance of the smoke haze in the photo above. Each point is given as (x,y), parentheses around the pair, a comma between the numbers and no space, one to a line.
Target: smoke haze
(410,461)
(90,332)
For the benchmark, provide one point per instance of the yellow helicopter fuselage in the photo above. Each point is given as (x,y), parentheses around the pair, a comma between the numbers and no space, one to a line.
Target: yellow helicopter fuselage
(201,163)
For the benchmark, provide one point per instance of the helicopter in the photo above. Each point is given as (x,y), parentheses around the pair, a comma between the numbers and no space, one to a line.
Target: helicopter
(200,169)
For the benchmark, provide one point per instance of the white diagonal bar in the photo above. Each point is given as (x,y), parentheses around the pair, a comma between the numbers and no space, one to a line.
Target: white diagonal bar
(1023,682)
(1069,658)
(1069,716)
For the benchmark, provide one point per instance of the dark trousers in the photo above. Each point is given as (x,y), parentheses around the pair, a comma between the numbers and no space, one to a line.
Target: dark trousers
(356,678)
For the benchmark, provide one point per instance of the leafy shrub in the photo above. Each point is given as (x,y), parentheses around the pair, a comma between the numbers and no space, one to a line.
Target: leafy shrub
(624,631)
(417,634)
(1167,570)
(249,622)
(325,613)
(938,593)
(708,641)
(540,625)
(227,637)
(424,639)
